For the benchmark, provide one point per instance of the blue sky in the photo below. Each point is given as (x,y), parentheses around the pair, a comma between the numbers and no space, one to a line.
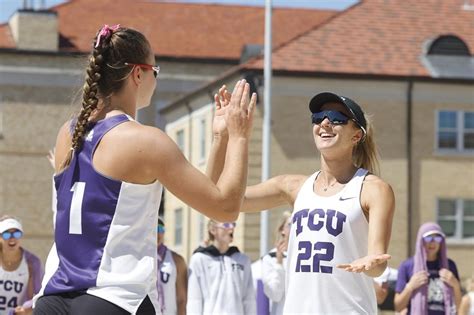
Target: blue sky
(7,7)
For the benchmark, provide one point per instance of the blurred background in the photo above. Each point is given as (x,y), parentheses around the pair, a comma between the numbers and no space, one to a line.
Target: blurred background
(409,63)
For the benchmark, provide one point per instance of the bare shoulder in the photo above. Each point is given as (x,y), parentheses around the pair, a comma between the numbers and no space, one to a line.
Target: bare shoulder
(291,185)
(375,184)
(376,193)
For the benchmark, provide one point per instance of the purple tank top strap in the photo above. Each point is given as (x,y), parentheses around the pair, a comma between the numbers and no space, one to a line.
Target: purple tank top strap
(98,130)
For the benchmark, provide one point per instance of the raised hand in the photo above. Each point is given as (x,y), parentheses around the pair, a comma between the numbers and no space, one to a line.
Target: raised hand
(364,264)
(417,280)
(221,101)
(239,112)
(448,277)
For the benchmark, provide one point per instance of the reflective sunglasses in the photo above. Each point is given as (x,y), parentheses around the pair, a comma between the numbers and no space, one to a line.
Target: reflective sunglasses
(160,229)
(8,235)
(156,69)
(226,225)
(430,238)
(335,117)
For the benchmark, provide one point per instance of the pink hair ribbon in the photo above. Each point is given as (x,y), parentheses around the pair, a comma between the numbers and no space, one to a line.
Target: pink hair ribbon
(105,32)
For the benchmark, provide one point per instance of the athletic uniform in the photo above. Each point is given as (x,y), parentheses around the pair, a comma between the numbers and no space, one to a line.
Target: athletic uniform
(471,303)
(167,281)
(105,232)
(325,232)
(13,287)
(220,284)
(273,278)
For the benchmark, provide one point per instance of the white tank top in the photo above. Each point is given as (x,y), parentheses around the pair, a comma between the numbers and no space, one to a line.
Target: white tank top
(471,303)
(13,287)
(325,232)
(167,278)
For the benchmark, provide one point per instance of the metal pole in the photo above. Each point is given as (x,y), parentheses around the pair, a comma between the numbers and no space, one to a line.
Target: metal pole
(267,115)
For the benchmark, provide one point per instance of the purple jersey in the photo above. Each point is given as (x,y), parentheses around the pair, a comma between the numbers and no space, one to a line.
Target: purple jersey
(105,235)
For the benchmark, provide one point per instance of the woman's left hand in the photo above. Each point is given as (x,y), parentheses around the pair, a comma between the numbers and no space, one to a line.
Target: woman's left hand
(448,277)
(365,263)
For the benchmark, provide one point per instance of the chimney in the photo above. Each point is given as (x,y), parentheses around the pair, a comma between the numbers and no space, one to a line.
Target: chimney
(35,30)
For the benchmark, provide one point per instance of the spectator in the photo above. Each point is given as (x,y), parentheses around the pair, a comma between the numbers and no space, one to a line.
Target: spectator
(467,301)
(220,276)
(428,283)
(20,270)
(273,267)
(172,277)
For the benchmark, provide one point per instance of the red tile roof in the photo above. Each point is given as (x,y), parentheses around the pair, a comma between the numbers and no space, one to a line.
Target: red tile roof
(383,37)
(178,29)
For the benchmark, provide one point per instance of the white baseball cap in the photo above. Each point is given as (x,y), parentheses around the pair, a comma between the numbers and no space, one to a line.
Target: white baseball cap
(10,223)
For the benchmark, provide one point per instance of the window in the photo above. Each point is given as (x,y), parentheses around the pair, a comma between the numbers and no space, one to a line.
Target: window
(456,218)
(455,131)
(178,227)
(448,45)
(202,139)
(180,139)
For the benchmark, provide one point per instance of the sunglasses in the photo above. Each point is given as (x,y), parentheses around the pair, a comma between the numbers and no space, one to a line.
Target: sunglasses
(156,69)
(430,238)
(160,229)
(8,235)
(335,117)
(226,225)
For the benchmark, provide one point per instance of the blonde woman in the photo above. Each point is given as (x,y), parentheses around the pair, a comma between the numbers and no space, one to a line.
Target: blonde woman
(342,213)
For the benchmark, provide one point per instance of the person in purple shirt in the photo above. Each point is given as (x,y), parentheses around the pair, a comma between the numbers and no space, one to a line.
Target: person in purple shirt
(428,282)
(20,270)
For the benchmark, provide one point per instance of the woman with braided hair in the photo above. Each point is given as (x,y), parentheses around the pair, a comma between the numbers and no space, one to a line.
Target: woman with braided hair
(109,172)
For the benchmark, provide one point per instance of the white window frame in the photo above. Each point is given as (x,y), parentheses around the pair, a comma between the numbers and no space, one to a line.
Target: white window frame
(460,131)
(459,220)
(178,226)
(180,133)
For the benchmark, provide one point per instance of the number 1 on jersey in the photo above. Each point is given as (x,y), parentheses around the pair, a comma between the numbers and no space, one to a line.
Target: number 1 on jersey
(75,212)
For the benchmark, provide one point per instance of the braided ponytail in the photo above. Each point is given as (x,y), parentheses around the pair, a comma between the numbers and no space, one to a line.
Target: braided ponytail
(106,73)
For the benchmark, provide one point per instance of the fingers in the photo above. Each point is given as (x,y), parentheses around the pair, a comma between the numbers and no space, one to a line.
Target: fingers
(217,100)
(237,92)
(252,105)
(244,101)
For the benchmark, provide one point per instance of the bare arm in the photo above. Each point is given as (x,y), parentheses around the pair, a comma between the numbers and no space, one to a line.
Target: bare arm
(181,283)
(402,299)
(378,201)
(220,201)
(277,191)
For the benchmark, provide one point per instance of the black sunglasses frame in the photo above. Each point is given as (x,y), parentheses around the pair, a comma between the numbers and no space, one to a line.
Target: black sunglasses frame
(335,117)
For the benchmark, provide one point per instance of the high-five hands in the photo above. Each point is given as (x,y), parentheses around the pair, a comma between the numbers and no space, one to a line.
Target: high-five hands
(234,112)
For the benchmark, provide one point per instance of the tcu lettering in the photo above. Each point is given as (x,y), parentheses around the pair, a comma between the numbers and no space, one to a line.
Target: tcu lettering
(165,277)
(11,285)
(318,218)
